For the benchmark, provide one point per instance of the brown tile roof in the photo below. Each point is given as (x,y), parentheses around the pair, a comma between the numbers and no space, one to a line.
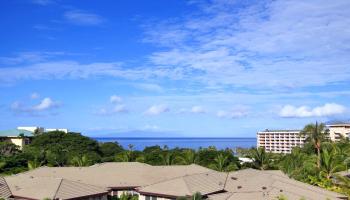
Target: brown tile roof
(205,183)
(174,181)
(71,189)
(256,184)
(118,174)
(54,188)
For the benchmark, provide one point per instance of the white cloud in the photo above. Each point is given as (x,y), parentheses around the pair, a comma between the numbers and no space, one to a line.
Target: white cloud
(42,27)
(34,95)
(230,114)
(197,109)
(120,109)
(115,99)
(149,87)
(75,70)
(16,106)
(193,109)
(29,57)
(80,17)
(114,110)
(268,44)
(149,127)
(236,112)
(45,104)
(328,109)
(157,109)
(43,2)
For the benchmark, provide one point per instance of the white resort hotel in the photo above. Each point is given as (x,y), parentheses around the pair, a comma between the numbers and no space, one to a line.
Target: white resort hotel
(283,141)
(98,182)
(280,141)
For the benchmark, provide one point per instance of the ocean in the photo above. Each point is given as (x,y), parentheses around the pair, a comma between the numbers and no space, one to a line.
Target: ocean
(193,143)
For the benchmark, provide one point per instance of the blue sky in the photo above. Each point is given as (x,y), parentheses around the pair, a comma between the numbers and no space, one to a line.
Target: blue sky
(173,68)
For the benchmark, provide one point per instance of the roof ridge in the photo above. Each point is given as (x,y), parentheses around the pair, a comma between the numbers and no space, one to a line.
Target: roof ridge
(113,162)
(86,184)
(227,174)
(315,187)
(311,186)
(187,186)
(208,174)
(177,177)
(229,196)
(267,171)
(59,185)
(29,171)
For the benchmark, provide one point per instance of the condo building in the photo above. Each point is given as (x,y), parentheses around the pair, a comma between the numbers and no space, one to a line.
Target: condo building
(18,137)
(280,141)
(338,131)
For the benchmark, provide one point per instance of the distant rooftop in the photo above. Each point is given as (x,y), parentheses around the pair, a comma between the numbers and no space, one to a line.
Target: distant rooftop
(338,124)
(276,130)
(50,187)
(15,133)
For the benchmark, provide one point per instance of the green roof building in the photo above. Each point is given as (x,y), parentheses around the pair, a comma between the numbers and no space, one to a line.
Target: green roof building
(16,136)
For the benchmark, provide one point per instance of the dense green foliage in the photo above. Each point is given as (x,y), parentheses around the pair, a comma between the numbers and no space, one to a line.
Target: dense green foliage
(319,160)
(195,196)
(316,163)
(72,149)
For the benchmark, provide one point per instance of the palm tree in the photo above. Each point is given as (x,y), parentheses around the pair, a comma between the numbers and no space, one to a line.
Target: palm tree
(292,163)
(140,158)
(223,164)
(316,134)
(343,182)
(261,159)
(131,147)
(298,165)
(346,163)
(2,164)
(125,156)
(330,163)
(189,157)
(80,161)
(33,164)
(197,196)
(168,158)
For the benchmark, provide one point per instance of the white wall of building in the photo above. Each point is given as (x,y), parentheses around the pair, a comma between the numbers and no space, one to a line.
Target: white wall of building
(336,131)
(143,197)
(31,128)
(279,141)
